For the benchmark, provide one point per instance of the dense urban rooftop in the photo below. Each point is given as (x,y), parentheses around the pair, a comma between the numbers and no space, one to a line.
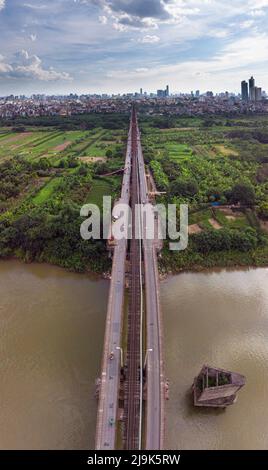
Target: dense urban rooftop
(191,105)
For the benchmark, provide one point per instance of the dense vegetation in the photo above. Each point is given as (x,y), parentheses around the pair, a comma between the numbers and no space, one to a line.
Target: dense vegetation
(45,228)
(50,167)
(219,167)
(80,121)
(44,183)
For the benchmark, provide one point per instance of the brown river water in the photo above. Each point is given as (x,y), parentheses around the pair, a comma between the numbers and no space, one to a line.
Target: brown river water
(52,328)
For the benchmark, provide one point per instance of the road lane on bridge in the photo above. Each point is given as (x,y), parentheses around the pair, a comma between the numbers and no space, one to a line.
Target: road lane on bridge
(110,378)
(155,368)
(110,371)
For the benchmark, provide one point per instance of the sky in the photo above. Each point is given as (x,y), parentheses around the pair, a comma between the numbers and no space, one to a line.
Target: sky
(111,46)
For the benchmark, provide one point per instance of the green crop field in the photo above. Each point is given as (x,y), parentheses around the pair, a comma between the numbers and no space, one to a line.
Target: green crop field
(100,187)
(218,166)
(46,175)
(54,144)
(47,191)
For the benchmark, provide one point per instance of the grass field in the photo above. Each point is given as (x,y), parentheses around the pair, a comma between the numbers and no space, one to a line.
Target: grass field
(100,187)
(54,144)
(47,191)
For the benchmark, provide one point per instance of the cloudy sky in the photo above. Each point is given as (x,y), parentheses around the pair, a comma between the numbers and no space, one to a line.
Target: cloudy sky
(59,46)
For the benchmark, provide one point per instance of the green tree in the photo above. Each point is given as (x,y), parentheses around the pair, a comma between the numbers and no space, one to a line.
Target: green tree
(185,188)
(263,210)
(109,153)
(243,194)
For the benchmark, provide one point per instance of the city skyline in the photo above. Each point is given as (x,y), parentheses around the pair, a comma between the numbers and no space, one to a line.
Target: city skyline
(251,92)
(112,46)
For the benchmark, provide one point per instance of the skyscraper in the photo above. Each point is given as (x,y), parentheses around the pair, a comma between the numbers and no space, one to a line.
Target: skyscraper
(167,90)
(258,94)
(252,89)
(161,93)
(244,90)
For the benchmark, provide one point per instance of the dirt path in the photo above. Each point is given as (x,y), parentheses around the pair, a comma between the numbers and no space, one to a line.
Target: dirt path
(228,212)
(62,147)
(179,129)
(20,136)
(93,159)
(264,225)
(194,228)
(215,224)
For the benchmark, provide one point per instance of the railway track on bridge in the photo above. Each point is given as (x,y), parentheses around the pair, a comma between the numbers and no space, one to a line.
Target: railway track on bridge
(140,430)
(134,387)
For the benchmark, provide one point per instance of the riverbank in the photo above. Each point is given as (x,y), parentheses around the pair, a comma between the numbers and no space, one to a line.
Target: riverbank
(190,261)
(170,263)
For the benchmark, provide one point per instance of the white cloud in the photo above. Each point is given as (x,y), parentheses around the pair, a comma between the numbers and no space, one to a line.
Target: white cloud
(141,69)
(247,24)
(148,39)
(27,66)
(219,33)
(257,13)
(244,52)
(2,4)
(103,19)
(225,69)
(256,4)
(35,7)
(4,67)
(179,18)
(31,66)
(182,8)
(119,27)
(131,14)
(198,36)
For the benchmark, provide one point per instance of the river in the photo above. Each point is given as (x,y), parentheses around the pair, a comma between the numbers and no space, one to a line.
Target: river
(52,329)
(219,319)
(52,325)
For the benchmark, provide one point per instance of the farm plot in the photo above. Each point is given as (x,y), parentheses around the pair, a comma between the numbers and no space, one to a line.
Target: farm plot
(82,145)
(177,151)
(100,187)
(98,147)
(54,144)
(103,187)
(39,143)
(46,192)
(226,151)
(14,143)
(201,166)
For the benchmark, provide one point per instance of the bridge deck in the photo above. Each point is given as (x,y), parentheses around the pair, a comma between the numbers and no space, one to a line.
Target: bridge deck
(110,370)
(110,378)
(155,365)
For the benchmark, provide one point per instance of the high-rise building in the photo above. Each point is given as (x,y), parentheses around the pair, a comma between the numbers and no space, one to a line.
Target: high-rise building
(258,93)
(244,90)
(167,90)
(161,93)
(141,93)
(252,89)
(197,93)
